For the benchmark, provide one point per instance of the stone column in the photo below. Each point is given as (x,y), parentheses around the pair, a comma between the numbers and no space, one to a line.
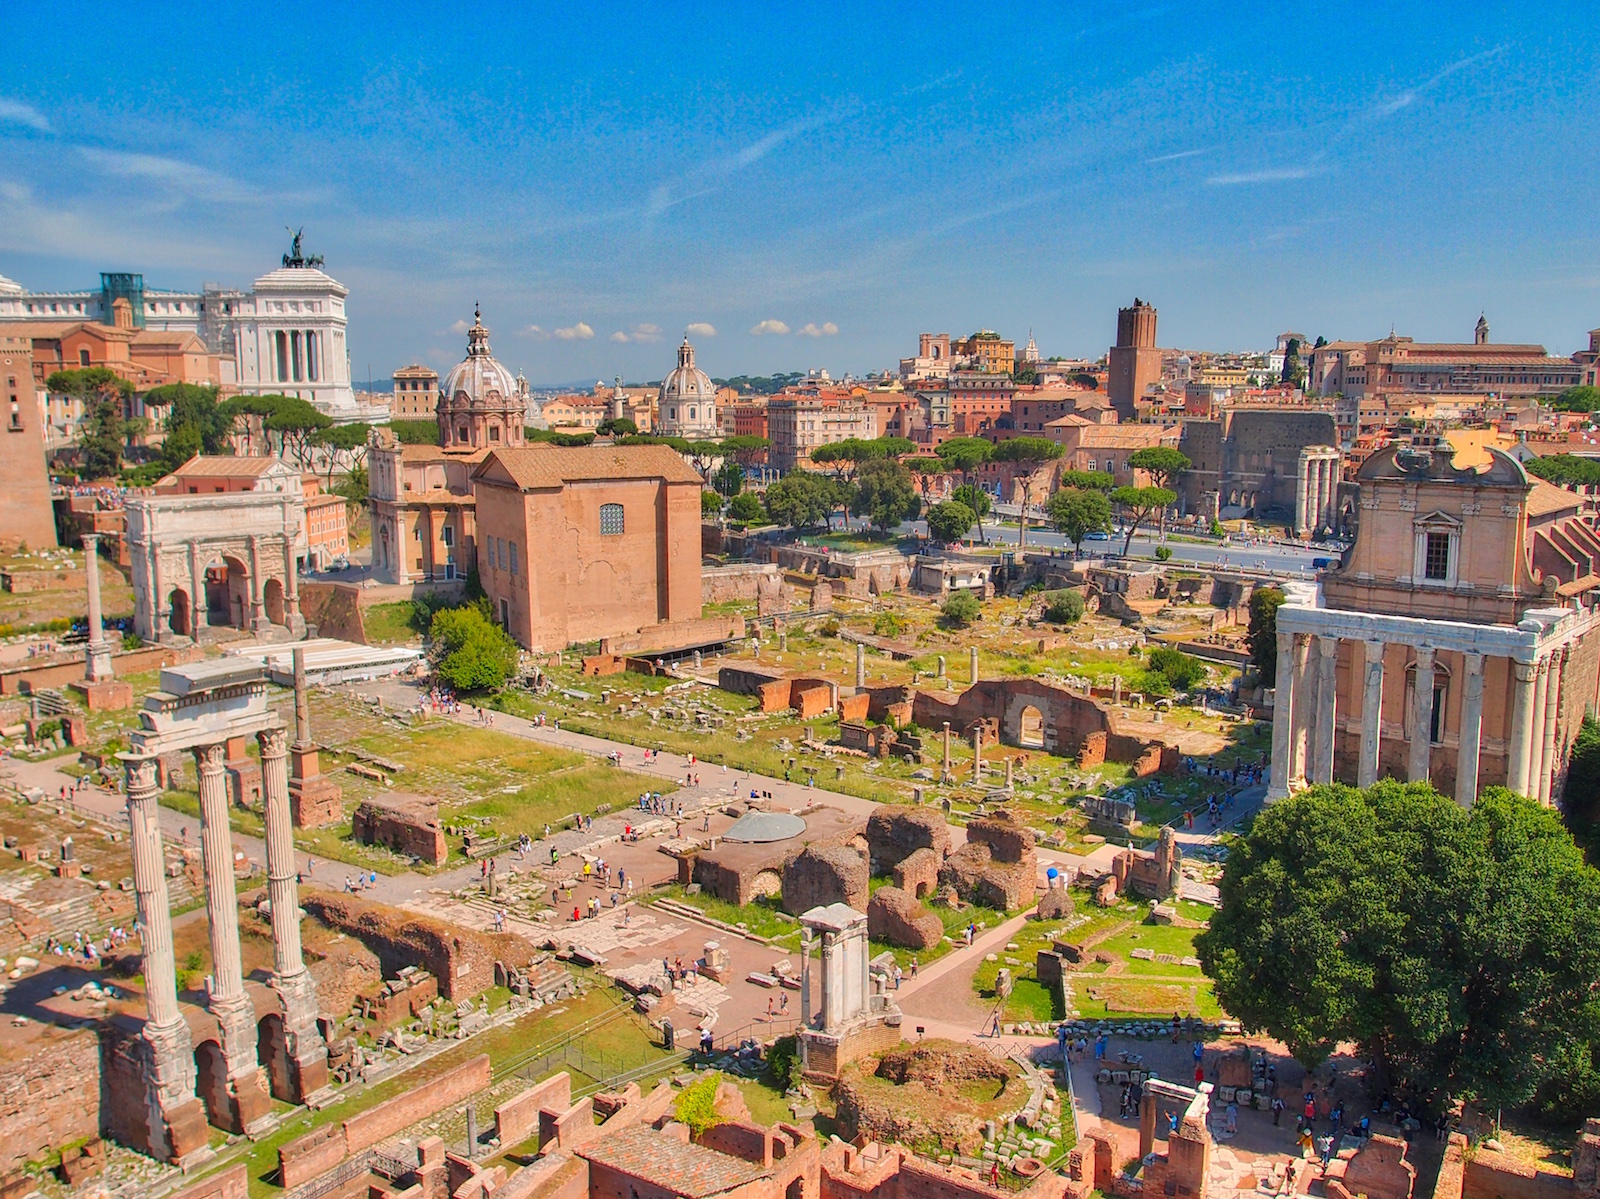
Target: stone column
(1325,500)
(1371,715)
(1323,717)
(1471,735)
(945,776)
(1517,752)
(1302,497)
(1549,767)
(307,1054)
(199,616)
(1305,703)
(258,618)
(158,602)
(1282,718)
(977,754)
(291,584)
(861,666)
(1422,718)
(97,658)
(228,1003)
(177,1123)
(972,661)
(1541,686)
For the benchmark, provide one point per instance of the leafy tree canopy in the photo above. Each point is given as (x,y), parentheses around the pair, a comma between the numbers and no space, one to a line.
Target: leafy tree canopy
(417,432)
(965,454)
(90,380)
(616,426)
(1077,512)
(948,522)
(1262,636)
(885,494)
(801,500)
(960,609)
(473,654)
(1027,452)
(1140,503)
(746,508)
(1458,948)
(1181,670)
(1164,463)
(710,504)
(1064,607)
(1088,480)
(1582,398)
(1566,470)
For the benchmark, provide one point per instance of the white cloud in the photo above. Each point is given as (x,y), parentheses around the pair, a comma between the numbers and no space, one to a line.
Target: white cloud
(15,112)
(702,329)
(768,326)
(460,327)
(812,329)
(1268,175)
(534,332)
(645,333)
(578,332)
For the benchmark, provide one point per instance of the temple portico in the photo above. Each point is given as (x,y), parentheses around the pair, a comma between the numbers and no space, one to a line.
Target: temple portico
(208,708)
(1362,696)
(1316,495)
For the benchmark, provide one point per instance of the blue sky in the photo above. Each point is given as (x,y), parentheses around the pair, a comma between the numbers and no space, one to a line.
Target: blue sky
(602,177)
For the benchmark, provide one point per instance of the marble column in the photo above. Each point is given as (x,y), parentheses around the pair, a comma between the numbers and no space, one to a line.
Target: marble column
(1371,714)
(1541,685)
(158,609)
(234,1013)
(1323,718)
(97,661)
(1549,766)
(1471,736)
(1305,703)
(291,585)
(861,666)
(945,776)
(258,618)
(1282,718)
(1302,496)
(977,754)
(1422,718)
(176,1121)
(972,662)
(290,978)
(199,616)
(1517,752)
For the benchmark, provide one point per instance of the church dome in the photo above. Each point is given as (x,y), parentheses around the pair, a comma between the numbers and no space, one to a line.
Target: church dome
(479,380)
(688,382)
(687,400)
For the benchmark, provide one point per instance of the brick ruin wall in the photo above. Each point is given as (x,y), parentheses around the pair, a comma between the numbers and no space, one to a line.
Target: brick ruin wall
(49,1096)
(819,876)
(462,960)
(411,832)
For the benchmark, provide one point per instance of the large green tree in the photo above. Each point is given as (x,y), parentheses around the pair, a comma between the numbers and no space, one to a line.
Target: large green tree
(1139,504)
(1163,463)
(1580,794)
(1025,456)
(1566,470)
(1262,635)
(1582,398)
(948,522)
(885,494)
(1459,948)
(471,652)
(106,427)
(1077,512)
(1088,480)
(965,455)
(800,500)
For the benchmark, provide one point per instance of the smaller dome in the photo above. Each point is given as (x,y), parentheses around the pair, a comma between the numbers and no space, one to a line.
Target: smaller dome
(479,377)
(688,382)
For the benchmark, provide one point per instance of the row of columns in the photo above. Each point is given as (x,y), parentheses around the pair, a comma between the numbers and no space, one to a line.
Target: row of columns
(171,1069)
(1306,715)
(1316,490)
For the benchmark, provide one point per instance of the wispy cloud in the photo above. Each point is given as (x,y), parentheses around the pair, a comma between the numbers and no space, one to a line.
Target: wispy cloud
(18,112)
(196,182)
(532,332)
(1387,108)
(1266,175)
(460,328)
(702,329)
(944,80)
(1175,157)
(578,332)
(812,329)
(762,328)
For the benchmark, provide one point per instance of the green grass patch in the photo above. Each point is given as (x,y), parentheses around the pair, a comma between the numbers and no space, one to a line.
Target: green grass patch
(391,624)
(763,917)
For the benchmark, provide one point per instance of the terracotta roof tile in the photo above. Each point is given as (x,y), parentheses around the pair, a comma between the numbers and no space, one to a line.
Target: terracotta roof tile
(552,466)
(220,466)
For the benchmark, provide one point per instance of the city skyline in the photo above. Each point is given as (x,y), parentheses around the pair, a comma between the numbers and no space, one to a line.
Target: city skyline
(818,194)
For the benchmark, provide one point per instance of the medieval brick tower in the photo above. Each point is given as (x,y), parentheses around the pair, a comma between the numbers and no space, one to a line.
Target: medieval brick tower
(1134,362)
(26,513)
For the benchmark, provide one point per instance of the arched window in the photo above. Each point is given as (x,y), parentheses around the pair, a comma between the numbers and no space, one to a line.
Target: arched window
(610,520)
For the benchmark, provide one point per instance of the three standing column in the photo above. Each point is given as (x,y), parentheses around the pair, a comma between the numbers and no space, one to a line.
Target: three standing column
(1371,714)
(307,1054)
(1519,757)
(176,1121)
(1422,718)
(1324,715)
(234,1013)
(1548,765)
(1471,732)
(97,666)
(1283,718)
(1305,703)
(1541,692)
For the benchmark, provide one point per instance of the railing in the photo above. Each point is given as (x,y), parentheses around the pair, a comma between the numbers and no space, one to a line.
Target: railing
(335,1179)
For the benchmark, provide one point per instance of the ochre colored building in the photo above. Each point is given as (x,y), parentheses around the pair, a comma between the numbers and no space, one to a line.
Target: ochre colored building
(1459,640)
(579,543)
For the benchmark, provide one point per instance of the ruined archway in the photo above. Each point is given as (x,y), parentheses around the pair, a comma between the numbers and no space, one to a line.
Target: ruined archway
(272,601)
(181,621)
(272,1052)
(211,1085)
(1030,728)
(237,581)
